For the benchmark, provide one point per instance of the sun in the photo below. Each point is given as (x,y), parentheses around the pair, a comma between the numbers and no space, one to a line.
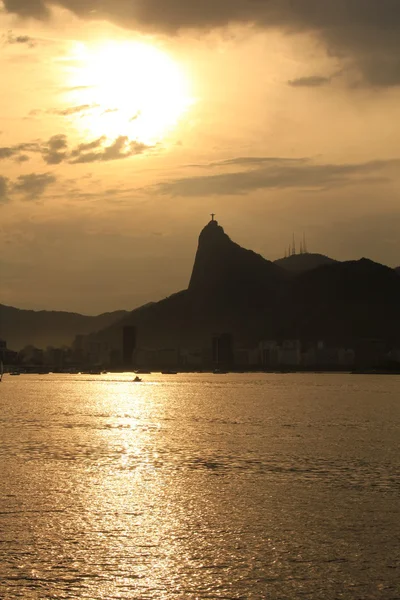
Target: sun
(128,89)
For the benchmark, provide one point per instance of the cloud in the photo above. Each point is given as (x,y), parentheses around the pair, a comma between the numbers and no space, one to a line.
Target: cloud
(3,189)
(33,185)
(11,39)
(276,174)
(246,161)
(122,147)
(312,81)
(16,151)
(72,110)
(367,32)
(55,151)
(27,8)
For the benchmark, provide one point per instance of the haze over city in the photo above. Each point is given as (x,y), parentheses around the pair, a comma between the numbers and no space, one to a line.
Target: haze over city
(123,125)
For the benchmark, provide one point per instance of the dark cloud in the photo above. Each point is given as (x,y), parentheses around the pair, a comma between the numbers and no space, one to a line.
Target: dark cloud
(6,152)
(276,174)
(312,81)
(10,38)
(365,31)
(55,151)
(16,151)
(122,147)
(33,185)
(3,189)
(27,8)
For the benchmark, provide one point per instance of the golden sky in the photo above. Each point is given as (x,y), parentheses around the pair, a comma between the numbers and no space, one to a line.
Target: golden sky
(124,124)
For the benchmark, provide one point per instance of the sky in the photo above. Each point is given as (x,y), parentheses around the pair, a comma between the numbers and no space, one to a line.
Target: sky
(124,124)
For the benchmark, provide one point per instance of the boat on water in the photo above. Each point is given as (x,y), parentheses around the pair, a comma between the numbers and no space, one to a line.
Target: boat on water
(169,372)
(137,379)
(15,373)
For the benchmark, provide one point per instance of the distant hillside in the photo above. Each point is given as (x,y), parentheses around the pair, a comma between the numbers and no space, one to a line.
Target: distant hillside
(397,269)
(345,302)
(299,263)
(48,328)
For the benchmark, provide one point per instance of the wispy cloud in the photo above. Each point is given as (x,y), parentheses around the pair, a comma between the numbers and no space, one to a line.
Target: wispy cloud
(3,189)
(276,173)
(10,39)
(311,81)
(121,148)
(57,150)
(72,110)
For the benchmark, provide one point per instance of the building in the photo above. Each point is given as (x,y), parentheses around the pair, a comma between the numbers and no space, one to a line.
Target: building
(269,354)
(222,351)
(128,344)
(290,353)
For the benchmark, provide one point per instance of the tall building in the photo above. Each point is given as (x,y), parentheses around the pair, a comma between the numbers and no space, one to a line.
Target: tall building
(128,344)
(222,350)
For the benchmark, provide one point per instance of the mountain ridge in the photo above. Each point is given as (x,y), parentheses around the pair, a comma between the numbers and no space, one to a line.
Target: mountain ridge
(236,290)
(49,328)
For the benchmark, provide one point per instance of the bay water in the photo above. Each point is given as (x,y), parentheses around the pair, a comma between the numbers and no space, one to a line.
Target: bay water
(192,486)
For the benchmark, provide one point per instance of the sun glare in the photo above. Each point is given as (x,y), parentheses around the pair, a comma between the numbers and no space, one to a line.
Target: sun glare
(127,89)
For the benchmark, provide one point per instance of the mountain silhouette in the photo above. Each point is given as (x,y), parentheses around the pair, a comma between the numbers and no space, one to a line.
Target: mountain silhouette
(232,289)
(48,328)
(236,290)
(345,302)
(299,263)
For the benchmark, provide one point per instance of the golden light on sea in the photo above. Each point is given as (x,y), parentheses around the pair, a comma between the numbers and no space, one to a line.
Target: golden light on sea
(128,89)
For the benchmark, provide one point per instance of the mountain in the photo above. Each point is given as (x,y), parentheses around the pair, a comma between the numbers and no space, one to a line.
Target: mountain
(230,289)
(299,263)
(48,328)
(236,290)
(345,302)
(397,269)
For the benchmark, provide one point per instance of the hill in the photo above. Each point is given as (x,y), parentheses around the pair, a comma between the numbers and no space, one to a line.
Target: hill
(236,290)
(230,289)
(345,302)
(299,263)
(48,328)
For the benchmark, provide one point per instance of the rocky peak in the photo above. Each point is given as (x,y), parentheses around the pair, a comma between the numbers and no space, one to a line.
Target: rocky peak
(221,264)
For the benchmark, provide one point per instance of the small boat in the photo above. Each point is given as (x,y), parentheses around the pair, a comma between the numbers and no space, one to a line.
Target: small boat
(169,372)
(136,380)
(15,373)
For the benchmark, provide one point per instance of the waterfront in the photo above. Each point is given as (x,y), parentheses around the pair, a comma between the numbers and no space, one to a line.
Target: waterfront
(200,486)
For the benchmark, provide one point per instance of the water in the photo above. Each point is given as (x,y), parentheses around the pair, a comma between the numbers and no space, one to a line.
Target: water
(200,486)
